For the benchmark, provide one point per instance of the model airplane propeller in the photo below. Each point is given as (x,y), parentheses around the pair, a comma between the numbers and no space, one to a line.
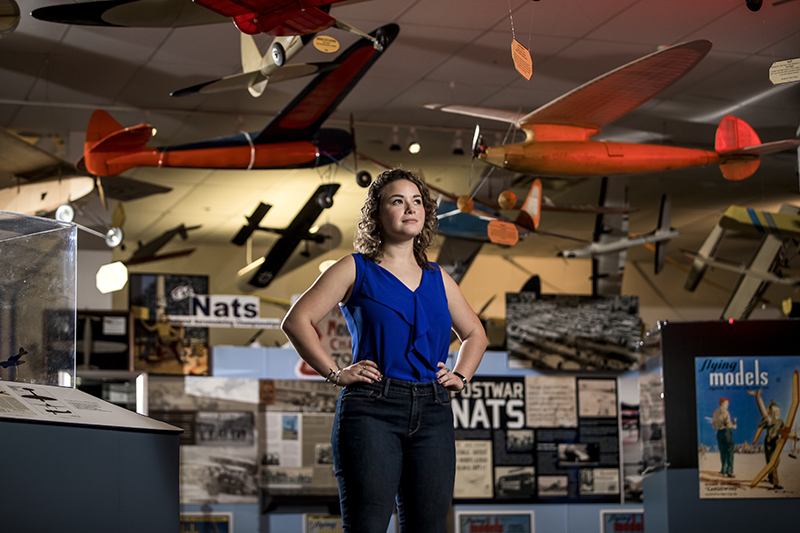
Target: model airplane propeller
(558,134)
(293,139)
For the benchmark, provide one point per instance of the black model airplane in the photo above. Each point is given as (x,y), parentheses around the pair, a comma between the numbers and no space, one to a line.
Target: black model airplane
(14,360)
(147,251)
(260,273)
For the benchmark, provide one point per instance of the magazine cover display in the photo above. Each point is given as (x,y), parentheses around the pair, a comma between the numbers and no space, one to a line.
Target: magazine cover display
(747,426)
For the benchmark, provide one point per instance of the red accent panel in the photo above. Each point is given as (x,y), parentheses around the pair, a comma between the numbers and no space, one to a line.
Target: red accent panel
(326,92)
(311,20)
(734,133)
(739,170)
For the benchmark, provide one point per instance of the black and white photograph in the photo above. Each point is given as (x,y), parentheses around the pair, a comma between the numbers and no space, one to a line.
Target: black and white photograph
(514,482)
(571,454)
(597,398)
(225,428)
(307,396)
(599,481)
(212,474)
(552,486)
(323,453)
(288,477)
(571,332)
(519,440)
(191,393)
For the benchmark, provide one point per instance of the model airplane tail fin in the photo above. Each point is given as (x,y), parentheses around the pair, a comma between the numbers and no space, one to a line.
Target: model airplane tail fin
(733,136)
(106,140)
(531,210)
(663,226)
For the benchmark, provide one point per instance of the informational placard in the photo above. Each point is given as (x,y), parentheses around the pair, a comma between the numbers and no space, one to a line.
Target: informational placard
(522,59)
(784,71)
(747,426)
(494,521)
(296,452)
(224,311)
(537,439)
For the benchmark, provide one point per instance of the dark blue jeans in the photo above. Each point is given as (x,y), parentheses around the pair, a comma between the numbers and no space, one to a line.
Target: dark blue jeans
(394,439)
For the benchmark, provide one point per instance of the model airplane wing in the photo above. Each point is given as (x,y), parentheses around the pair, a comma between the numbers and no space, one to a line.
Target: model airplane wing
(260,273)
(132,14)
(608,97)
(776,455)
(456,256)
(146,253)
(608,269)
(754,221)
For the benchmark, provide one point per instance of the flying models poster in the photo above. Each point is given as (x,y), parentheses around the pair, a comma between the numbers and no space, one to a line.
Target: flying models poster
(746,426)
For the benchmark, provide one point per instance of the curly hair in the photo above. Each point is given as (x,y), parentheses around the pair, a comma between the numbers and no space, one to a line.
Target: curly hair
(368,237)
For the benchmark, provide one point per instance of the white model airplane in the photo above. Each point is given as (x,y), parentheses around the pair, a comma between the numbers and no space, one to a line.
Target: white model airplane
(257,70)
(660,236)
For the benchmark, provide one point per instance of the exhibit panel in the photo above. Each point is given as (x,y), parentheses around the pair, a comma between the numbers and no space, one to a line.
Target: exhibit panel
(37,300)
(730,396)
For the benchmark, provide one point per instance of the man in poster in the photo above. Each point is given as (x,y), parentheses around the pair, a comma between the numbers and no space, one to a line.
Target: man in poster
(771,421)
(721,422)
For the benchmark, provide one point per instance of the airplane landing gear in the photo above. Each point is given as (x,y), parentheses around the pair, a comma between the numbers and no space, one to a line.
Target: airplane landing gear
(278,54)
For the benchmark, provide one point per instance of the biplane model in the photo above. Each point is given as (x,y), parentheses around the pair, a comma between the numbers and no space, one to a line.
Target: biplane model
(558,134)
(293,139)
(300,17)
(14,360)
(778,231)
(260,273)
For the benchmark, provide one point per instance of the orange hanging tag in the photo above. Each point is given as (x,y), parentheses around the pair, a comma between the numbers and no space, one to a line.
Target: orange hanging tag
(326,43)
(522,59)
(504,233)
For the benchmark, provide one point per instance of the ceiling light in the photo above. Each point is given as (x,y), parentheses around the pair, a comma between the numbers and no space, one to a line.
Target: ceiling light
(395,146)
(413,141)
(111,277)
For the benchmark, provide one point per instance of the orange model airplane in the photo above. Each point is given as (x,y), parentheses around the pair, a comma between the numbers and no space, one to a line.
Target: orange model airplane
(293,139)
(558,134)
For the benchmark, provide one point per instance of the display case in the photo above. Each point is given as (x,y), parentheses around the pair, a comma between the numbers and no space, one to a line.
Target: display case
(37,300)
(119,387)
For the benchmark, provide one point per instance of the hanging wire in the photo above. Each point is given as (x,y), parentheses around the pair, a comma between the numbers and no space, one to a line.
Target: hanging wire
(511,16)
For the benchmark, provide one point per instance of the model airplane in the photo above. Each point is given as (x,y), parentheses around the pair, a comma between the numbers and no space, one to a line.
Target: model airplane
(148,251)
(660,236)
(260,273)
(756,275)
(299,17)
(756,222)
(558,134)
(293,139)
(14,360)
(257,70)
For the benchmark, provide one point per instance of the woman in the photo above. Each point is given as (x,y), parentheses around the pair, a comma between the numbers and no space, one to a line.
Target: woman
(393,431)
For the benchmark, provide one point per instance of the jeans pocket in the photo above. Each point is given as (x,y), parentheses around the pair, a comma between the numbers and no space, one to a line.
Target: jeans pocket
(359,392)
(443,395)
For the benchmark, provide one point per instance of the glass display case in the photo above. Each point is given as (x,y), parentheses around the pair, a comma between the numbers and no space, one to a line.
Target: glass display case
(122,388)
(37,300)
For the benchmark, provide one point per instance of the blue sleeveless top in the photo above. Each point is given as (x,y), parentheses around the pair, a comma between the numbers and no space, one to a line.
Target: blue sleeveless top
(406,333)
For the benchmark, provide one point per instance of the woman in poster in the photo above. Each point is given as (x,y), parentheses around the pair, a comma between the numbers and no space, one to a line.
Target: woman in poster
(393,436)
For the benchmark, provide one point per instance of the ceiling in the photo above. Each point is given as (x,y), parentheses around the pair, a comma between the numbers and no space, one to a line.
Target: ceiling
(448,51)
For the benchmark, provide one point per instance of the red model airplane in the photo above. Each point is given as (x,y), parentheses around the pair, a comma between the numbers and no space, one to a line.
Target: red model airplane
(557,134)
(293,139)
(275,17)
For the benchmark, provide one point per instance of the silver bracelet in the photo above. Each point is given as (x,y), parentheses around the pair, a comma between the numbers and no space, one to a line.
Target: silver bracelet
(338,374)
(331,375)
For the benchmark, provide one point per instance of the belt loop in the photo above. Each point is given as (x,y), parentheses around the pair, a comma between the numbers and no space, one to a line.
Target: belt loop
(386,383)
(435,393)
